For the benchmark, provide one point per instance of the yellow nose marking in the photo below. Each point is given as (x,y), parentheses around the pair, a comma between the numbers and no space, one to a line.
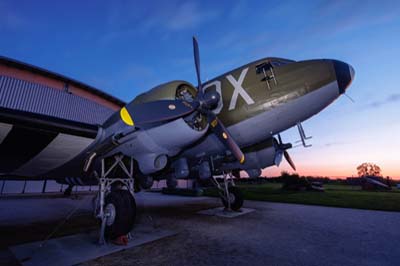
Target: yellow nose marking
(242,160)
(214,123)
(126,117)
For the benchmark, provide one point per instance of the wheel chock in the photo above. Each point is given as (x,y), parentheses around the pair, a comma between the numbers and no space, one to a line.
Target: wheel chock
(121,240)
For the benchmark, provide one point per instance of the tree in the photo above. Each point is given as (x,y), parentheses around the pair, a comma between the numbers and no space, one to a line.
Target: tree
(368,169)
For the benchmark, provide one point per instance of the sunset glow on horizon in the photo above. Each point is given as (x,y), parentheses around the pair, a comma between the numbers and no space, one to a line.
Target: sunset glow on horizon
(127,48)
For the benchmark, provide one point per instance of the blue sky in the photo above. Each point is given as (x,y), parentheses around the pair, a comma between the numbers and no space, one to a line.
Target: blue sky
(127,47)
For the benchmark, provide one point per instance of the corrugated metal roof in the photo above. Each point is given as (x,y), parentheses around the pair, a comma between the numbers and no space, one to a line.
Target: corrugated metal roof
(34,69)
(21,95)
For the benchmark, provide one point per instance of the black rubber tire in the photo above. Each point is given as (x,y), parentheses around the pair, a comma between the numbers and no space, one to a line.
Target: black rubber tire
(238,202)
(125,213)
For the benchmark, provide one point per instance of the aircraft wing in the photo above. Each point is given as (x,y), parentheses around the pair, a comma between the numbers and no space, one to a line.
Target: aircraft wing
(46,121)
(32,145)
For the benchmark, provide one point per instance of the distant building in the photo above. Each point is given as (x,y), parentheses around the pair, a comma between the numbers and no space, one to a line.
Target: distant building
(354,181)
(370,182)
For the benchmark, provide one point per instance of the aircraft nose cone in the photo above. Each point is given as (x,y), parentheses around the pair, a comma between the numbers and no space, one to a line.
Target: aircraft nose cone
(344,74)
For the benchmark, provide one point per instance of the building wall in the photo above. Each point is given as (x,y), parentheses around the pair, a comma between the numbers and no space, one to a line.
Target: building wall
(54,83)
(21,95)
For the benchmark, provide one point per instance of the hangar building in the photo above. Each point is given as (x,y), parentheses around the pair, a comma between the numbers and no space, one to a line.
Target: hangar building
(29,94)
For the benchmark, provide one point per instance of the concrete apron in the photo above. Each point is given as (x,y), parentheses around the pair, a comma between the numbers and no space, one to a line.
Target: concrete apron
(222,212)
(75,249)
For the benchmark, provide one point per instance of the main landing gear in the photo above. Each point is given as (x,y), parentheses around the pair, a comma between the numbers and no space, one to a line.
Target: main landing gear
(115,205)
(231,195)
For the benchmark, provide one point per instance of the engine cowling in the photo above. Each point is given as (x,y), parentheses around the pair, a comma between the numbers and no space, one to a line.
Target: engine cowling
(173,90)
(177,89)
(153,146)
(253,173)
(257,156)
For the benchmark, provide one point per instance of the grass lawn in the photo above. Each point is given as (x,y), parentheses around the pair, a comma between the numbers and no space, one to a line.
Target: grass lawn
(334,195)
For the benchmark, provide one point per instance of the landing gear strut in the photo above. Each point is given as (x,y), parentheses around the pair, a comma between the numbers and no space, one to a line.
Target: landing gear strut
(116,206)
(231,195)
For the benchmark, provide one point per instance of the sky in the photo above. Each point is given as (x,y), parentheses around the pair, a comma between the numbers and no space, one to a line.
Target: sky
(127,47)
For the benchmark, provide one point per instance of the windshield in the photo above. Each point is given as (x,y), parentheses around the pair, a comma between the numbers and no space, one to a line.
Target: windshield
(280,62)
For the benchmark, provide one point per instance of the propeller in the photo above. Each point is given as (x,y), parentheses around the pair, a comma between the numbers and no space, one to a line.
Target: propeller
(223,135)
(289,160)
(282,150)
(196,54)
(207,102)
(135,115)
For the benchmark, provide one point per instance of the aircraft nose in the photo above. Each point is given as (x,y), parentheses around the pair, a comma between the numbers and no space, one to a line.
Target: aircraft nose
(344,74)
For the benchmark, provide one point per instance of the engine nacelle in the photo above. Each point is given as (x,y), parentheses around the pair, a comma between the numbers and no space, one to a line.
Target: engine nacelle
(257,157)
(253,173)
(153,146)
(204,170)
(177,89)
(150,163)
(181,168)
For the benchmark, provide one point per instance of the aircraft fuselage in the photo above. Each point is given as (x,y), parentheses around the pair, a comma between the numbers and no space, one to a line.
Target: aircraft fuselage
(260,100)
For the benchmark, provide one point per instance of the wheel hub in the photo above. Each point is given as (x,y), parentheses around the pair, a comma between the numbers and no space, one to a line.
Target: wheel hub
(231,198)
(110,214)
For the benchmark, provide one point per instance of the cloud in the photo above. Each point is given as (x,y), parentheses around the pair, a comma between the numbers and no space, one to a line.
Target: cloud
(125,81)
(329,144)
(350,16)
(187,15)
(393,98)
(169,17)
(238,10)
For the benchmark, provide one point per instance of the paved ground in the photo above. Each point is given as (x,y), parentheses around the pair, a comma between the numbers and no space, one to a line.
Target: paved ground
(274,234)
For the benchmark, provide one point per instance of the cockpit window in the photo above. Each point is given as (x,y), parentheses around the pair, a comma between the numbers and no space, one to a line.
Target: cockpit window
(280,62)
(272,63)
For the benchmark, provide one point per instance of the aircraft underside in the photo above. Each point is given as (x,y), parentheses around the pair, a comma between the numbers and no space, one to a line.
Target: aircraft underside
(61,129)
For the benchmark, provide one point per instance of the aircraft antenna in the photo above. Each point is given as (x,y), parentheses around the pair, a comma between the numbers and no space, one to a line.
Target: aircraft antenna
(348,96)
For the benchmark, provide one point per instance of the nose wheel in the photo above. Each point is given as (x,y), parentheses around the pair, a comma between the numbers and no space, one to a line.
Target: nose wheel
(120,211)
(115,205)
(231,196)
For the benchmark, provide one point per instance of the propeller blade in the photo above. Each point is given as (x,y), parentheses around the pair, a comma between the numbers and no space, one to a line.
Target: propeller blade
(280,139)
(289,160)
(157,111)
(197,64)
(207,102)
(223,135)
(278,157)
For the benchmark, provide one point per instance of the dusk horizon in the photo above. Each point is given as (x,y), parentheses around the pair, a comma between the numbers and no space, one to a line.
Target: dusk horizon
(127,48)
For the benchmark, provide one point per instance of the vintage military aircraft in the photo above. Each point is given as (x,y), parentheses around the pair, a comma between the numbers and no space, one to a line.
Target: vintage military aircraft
(179,131)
